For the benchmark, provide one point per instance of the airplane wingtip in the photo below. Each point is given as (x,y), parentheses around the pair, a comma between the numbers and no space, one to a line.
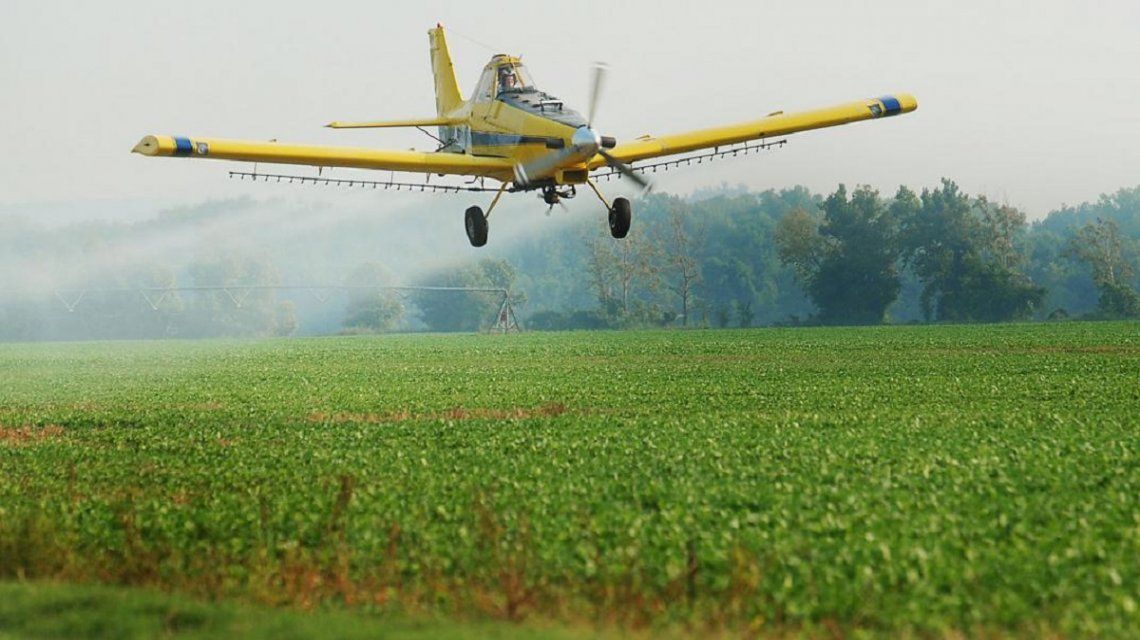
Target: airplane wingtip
(148,146)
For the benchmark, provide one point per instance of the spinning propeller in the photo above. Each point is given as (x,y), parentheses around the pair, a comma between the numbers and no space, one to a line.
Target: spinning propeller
(583,144)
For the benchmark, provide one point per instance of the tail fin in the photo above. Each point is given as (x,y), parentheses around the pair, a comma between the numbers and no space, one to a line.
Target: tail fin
(447,96)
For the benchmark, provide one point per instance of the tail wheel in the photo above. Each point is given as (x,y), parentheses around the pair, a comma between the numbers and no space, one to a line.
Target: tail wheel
(620,218)
(476,224)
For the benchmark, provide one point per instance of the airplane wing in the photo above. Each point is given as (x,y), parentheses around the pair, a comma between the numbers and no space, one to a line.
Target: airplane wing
(321,156)
(775,124)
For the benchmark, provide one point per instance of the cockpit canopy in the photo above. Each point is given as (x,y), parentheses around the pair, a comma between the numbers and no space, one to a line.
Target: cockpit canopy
(506,79)
(504,74)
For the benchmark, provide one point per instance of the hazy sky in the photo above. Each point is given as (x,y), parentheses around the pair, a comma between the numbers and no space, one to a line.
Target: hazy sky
(1033,103)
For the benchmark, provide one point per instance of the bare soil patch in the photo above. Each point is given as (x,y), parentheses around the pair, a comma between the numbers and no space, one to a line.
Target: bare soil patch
(28,434)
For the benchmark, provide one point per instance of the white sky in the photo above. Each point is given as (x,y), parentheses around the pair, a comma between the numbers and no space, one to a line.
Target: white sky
(1032,103)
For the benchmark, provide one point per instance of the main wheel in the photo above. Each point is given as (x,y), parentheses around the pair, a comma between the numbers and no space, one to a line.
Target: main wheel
(620,217)
(476,224)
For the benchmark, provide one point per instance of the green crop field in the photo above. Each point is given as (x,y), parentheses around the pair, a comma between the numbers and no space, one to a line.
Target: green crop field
(922,481)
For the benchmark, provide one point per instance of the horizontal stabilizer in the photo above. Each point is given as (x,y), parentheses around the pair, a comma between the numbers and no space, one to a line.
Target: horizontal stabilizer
(380,124)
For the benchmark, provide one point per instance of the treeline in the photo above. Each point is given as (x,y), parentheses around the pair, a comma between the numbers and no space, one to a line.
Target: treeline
(736,258)
(852,257)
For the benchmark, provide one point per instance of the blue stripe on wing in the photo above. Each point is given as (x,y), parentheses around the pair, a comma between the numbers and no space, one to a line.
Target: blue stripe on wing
(182,146)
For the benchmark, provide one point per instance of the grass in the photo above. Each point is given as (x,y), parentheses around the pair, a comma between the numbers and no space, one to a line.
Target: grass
(42,610)
(882,481)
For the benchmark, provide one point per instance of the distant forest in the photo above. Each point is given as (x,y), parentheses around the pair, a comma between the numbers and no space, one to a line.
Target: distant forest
(727,258)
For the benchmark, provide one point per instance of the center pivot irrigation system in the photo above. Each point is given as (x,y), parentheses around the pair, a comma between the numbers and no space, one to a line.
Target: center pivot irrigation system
(505,321)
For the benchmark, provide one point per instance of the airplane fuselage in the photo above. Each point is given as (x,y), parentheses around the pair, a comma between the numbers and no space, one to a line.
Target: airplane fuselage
(518,124)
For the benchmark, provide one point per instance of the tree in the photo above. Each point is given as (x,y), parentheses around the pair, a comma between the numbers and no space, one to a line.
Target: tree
(681,258)
(857,279)
(799,243)
(1000,227)
(1099,245)
(625,274)
(846,263)
(963,253)
(636,271)
(744,314)
(372,309)
(601,264)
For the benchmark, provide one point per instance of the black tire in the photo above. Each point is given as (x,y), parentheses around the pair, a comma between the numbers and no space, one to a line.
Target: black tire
(620,218)
(476,224)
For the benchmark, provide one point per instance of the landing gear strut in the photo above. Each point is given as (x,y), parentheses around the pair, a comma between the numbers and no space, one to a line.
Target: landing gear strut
(620,213)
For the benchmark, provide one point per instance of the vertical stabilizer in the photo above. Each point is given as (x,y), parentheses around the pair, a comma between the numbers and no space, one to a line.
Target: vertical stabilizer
(447,96)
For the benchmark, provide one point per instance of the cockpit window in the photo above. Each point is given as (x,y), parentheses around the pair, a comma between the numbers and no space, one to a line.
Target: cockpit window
(514,78)
(503,78)
(486,86)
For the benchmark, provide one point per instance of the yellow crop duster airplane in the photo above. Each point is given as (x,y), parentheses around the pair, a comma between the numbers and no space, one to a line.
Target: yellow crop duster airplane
(526,139)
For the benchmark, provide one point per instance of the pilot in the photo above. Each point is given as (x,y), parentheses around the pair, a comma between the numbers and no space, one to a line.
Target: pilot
(507,78)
